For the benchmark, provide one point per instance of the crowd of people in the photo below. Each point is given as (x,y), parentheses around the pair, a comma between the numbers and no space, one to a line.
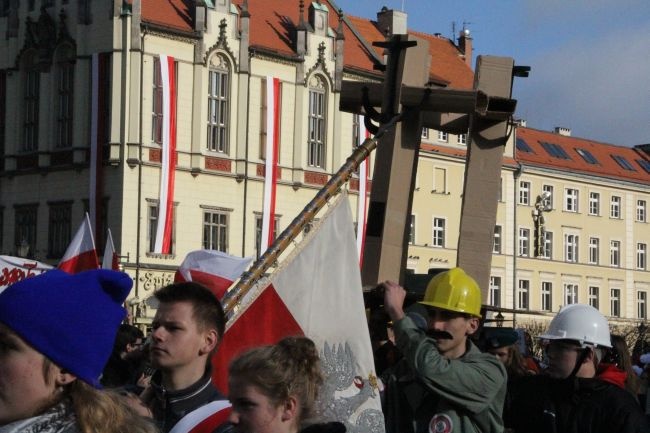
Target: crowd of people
(68,364)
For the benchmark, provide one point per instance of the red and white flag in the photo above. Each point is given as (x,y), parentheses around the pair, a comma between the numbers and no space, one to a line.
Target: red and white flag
(14,269)
(362,204)
(214,269)
(168,167)
(316,292)
(98,116)
(110,259)
(81,254)
(273,87)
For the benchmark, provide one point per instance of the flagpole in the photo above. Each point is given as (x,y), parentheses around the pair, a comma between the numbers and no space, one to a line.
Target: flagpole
(270,256)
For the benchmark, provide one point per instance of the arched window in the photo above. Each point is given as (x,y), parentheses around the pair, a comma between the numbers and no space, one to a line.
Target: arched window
(64,74)
(317,122)
(31,85)
(218,103)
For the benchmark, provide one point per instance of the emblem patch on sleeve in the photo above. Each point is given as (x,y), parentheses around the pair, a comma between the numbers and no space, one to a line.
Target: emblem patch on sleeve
(441,423)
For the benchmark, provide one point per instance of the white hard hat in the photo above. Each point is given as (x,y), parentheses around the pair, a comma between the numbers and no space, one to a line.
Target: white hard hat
(581,323)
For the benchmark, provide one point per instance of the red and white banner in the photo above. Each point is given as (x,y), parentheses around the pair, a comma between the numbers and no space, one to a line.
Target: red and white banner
(81,254)
(205,419)
(213,269)
(316,292)
(271,169)
(168,167)
(14,269)
(362,204)
(110,259)
(98,119)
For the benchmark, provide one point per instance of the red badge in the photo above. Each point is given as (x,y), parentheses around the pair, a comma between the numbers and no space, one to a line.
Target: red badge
(441,423)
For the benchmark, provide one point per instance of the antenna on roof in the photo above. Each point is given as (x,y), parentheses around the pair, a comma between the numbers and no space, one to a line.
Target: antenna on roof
(403,1)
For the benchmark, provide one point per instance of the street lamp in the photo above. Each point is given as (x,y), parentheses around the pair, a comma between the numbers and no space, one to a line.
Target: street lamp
(499,319)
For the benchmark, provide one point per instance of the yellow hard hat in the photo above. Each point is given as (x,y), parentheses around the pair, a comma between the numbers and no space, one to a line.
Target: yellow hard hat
(454,290)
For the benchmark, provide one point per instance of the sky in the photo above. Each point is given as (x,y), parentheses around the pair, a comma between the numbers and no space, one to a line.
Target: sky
(589,59)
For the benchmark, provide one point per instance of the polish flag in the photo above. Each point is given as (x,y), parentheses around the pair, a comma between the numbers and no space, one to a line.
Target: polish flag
(214,269)
(168,168)
(81,254)
(273,87)
(362,204)
(110,259)
(316,292)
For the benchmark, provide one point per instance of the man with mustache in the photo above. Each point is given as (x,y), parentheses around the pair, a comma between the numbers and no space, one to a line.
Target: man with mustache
(186,330)
(445,383)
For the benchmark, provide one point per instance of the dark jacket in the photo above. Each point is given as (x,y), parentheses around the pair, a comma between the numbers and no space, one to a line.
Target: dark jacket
(169,407)
(576,405)
(427,392)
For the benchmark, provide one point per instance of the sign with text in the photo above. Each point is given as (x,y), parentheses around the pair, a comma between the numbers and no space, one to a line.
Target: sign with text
(14,269)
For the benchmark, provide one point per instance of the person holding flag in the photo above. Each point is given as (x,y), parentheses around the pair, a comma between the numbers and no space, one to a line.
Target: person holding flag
(444,383)
(186,330)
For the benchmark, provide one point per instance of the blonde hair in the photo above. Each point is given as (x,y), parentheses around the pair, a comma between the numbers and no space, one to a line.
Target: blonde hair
(289,368)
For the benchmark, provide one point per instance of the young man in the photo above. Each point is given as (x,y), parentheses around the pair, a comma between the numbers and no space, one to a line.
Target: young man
(186,330)
(569,396)
(444,384)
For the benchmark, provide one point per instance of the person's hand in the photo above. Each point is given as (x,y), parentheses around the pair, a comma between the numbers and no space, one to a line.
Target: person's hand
(394,295)
(144,380)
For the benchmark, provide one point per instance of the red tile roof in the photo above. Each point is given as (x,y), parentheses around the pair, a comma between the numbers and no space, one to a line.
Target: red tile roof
(273,23)
(602,153)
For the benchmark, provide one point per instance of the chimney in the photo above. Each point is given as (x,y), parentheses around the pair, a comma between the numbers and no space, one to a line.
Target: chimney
(563,131)
(465,46)
(391,22)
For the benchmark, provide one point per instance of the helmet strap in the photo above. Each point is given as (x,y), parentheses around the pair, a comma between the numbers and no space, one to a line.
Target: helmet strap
(582,356)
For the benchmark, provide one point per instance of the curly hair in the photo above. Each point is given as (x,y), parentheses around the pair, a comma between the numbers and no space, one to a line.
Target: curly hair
(289,368)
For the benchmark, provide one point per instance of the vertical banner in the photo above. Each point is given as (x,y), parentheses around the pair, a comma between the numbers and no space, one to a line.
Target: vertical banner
(98,123)
(271,169)
(362,205)
(168,167)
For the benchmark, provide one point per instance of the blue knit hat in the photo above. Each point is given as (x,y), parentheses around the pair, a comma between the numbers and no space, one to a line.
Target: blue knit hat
(71,319)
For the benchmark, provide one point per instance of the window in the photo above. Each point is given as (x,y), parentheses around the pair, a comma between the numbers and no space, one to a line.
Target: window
(524,193)
(500,190)
(25,228)
(439,232)
(264,126)
(641,305)
(59,223)
(547,247)
(641,249)
(258,232)
(615,253)
(443,136)
(439,180)
(31,83)
(587,156)
(524,242)
(522,296)
(218,103)
(412,230)
(549,190)
(462,139)
(624,163)
(65,86)
(4,8)
(547,289)
(615,302)
(615,207)
(425,133)
(153,227)
(645,164)
(640,211)
(571,200)
(571,248)
(594,251)
(495,291)
(215,231)
(316,142)
(555,150)
(593,296)
(522,146)
(3,116)
(570,294)
(594,203)
(496,246)
(157,109)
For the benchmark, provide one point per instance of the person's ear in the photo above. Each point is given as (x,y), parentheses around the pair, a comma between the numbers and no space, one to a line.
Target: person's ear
(210,340)
(63,377)
(290,409)
(472,325)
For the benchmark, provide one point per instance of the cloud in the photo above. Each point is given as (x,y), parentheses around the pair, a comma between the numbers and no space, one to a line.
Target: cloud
(600,88)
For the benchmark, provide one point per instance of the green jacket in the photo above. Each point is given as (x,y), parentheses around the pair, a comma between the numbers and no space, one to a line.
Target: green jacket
(429,393)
